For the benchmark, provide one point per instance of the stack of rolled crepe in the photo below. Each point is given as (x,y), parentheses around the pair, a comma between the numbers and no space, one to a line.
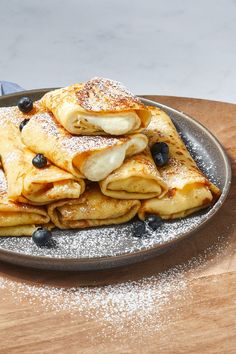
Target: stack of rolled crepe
(97,138)
(122,165)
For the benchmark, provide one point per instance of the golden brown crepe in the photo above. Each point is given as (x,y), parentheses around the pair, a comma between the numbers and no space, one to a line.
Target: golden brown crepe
(27,183)
(137,178)
(18,219)
(91,157)
(97,107)
(92,209)
(189,189)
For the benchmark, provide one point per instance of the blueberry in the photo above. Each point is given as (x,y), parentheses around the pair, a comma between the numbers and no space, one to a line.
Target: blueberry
(153,221)
(39,161)
(139,229)
(160,147)
(160,153)
(25,104)
(23,123)
(41,236)
(160,159)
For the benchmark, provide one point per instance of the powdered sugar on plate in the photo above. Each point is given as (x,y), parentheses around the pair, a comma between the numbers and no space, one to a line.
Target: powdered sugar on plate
(102,242)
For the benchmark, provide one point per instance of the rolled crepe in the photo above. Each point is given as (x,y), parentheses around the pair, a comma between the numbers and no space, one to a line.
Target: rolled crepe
(97,107)
(18,219)
(27,183)
(137,178)
(189,189)
(92,209)
(91,157)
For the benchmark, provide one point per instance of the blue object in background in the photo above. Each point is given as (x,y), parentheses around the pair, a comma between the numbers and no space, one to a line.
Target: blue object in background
(7,87)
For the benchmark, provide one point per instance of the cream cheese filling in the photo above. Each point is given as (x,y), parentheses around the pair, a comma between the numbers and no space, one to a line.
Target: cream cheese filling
(100,165)
(112,123)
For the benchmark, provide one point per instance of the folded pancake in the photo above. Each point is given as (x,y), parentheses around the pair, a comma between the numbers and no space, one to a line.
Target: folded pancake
(27,183)
(97,107)
(91,157)
(18,219)
(137,178)
(189,189)
(92,209)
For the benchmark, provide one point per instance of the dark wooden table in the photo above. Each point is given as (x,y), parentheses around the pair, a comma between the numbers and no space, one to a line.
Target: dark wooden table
(206,321)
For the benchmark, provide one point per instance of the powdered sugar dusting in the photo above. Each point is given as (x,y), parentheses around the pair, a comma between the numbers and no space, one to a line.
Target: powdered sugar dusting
(143,306)
(137,304)
(11,114)
(201,157)
(99,94)
(64,140)
(103,242)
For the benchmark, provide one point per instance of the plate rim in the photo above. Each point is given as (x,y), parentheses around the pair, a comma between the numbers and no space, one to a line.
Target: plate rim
(64,264)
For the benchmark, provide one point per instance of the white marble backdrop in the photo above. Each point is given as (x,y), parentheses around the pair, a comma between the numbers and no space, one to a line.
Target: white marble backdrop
(170,47)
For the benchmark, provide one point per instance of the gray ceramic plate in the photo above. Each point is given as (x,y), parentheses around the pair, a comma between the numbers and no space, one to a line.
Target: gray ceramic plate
(113,246)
